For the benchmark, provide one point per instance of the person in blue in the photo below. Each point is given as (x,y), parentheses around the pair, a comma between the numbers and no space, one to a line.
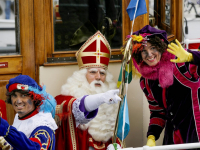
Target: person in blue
(34,125)
(9,5)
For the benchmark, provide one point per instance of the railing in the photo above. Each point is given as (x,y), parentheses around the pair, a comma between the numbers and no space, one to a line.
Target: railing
(167,147)
(187,42)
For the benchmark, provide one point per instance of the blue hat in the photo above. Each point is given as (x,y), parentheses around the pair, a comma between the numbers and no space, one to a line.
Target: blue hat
(24,82)
(22,79)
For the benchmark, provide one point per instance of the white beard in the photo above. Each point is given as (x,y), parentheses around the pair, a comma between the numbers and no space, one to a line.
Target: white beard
(101,128)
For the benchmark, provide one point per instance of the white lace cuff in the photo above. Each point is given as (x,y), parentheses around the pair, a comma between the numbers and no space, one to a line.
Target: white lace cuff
(78,114)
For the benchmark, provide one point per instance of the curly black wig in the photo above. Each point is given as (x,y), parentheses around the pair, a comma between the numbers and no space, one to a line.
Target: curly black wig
(154,41)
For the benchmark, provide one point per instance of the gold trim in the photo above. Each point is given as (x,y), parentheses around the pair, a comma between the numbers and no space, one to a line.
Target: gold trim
(8,130)
(91,39)
(57,109)
(46,134)
(71,125)
(95,54)
(93,65)
(98,38)
(95,146)
(52,140)
(123,144)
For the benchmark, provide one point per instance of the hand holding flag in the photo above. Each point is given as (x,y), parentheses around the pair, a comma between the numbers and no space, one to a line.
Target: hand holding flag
(135,8)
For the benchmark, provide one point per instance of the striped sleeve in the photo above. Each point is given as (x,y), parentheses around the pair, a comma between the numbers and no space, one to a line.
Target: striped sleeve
(157,113)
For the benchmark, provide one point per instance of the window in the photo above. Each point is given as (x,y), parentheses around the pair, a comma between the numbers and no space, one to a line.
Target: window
(9,27)
(167,15)
(76,21)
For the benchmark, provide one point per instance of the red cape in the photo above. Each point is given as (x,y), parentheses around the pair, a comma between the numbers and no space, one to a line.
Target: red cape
(68,137)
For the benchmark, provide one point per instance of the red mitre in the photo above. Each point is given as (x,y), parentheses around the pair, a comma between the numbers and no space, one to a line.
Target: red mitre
(3,109)
(95,52)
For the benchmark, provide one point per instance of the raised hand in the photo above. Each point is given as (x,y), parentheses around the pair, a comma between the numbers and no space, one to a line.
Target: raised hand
(180,52)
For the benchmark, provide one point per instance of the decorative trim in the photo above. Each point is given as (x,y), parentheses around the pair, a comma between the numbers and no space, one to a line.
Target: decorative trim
(95,146)
(194,86)
(55,60)
(8,130)
(71,125)
(46,134)
(122,143)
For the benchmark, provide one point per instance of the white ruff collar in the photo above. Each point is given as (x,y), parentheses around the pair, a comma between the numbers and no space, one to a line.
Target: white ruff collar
(41,119)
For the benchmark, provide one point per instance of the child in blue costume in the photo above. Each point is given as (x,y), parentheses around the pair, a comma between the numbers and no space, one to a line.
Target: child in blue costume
(34,125)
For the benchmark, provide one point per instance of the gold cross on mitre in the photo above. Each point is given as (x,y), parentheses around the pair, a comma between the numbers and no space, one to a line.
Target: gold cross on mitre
(95,52)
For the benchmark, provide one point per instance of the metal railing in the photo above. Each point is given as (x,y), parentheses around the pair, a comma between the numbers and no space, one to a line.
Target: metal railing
(188,41)
(167,147)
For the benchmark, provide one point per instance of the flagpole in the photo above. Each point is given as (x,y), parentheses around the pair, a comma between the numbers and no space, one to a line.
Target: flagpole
(126,58)
(124,111)
(120,104)
(125,61)
(134,17)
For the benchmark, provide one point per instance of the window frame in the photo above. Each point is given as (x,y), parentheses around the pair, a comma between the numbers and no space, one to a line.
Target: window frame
(49,36)
(176,16)
(44,31)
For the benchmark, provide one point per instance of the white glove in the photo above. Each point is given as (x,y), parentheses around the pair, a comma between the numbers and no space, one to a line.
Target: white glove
(111,147)
(92,102)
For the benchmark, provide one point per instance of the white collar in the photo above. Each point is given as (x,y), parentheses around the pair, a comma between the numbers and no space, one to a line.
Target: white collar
(28,125)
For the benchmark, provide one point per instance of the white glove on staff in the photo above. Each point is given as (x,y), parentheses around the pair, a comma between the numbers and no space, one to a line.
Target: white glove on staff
(92,102)
(111,147)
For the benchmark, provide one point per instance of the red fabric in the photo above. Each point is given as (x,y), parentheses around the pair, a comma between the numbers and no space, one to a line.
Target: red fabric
(193,45)
(157,121)
(104,48)
(193,70)
(164,97)
(68,137)
(3,109)
(61,98)
(36,140)
(13,87)
(57,11)
(29,116)
(153,107)
(95,52)
(92,47)
(88,59)
(177,137)
(150,96)
(104,60)
(36,97)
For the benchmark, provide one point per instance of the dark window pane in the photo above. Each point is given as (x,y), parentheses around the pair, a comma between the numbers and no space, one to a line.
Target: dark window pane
(76,20)
(159,14)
